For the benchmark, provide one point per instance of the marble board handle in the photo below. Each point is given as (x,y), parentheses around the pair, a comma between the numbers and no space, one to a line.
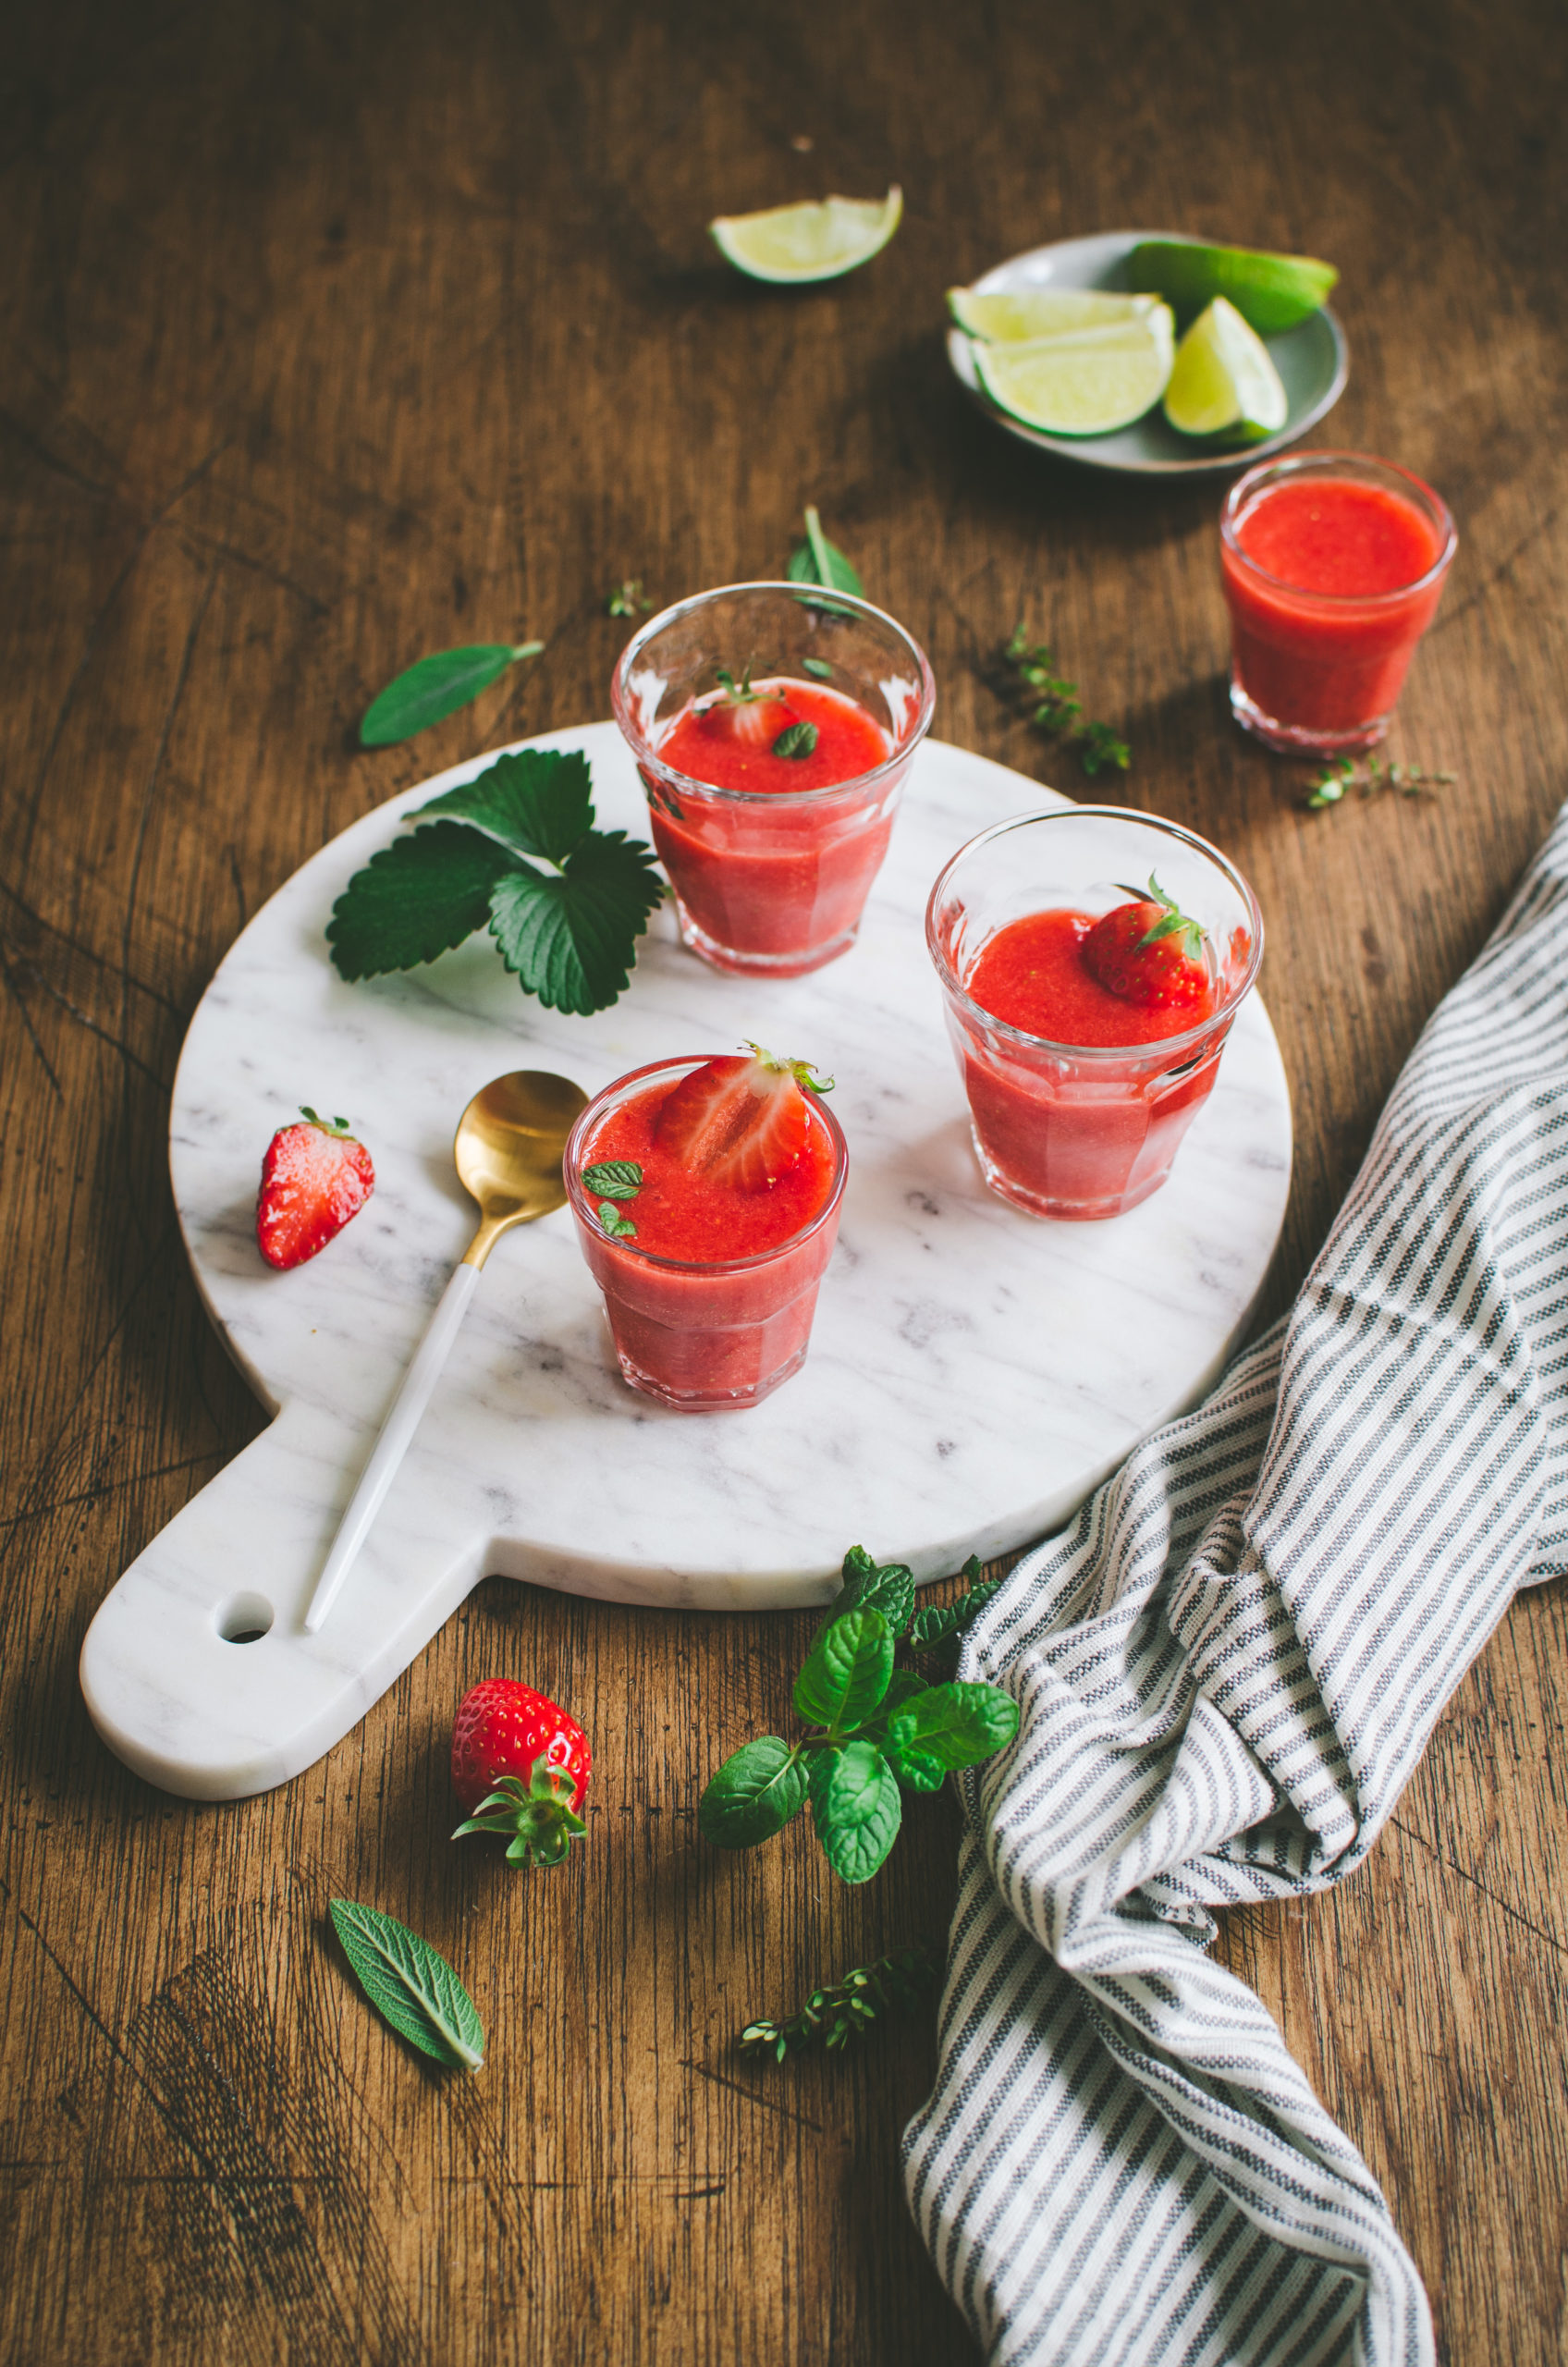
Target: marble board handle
(197,1669)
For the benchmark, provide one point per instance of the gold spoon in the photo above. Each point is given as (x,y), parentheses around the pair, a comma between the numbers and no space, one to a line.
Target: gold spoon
(508,1149)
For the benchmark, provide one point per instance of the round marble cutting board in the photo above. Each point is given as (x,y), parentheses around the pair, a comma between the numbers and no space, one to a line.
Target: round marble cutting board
(973,1372)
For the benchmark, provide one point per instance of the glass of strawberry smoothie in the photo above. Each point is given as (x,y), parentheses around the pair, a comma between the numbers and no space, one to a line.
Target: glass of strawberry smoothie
(773,725)
(711,1286)
(1080,1091)
(1333,564)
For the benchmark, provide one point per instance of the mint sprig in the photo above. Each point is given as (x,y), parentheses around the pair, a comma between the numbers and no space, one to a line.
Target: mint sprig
(877,1730)
(435,687)
(515,851)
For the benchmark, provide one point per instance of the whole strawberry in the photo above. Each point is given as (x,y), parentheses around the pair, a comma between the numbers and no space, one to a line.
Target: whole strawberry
(520,1767)
(1148,953)
(314,1178)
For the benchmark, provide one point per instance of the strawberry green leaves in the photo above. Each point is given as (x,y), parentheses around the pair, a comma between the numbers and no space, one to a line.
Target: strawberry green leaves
(410,1985)
(880,1730)
(435,687)
(537,1817)
(568,933)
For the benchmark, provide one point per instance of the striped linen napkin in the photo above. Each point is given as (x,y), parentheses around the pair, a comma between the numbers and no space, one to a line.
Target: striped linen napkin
(1227,1669)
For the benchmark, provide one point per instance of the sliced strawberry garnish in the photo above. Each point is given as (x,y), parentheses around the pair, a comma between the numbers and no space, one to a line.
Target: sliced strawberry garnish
(314,1178)
(744,718)
(739,1121)
(1148,953)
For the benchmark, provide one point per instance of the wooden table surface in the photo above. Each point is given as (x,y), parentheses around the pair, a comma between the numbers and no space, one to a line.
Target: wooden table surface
(340,333)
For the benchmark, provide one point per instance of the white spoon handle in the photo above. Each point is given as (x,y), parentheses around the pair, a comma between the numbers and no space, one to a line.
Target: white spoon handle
(393,1443)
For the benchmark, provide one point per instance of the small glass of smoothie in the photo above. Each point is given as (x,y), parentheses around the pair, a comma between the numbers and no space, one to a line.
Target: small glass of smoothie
(773,725)
(707,1194)
(1092,961)
(1333,567)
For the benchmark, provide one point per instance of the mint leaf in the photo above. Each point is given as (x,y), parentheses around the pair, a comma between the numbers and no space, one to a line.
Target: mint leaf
(571,937)
(410,1985)
(847,1671)
(753,1795)
(949,1727)
(539,802)
(816,560)
(855,1808)
(818,667)
(797,740)
(435,687)
(939,1621)
(616,1226)
(902,1686)
(888,1587)
(414,900)
(614,1179)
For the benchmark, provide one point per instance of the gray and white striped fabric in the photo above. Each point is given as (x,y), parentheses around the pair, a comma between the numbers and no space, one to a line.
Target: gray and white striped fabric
(1227,1669)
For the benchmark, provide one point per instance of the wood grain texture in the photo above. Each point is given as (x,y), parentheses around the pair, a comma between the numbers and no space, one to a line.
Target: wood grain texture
(342,333)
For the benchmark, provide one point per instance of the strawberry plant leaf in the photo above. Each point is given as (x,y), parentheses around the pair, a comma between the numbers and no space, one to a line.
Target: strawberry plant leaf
(538,802)
(414,900)
(855,1807)
(816,560)
(571,937)
(410,1984)
(435,687)
(946,1727)
(847,1671)
(754,1796)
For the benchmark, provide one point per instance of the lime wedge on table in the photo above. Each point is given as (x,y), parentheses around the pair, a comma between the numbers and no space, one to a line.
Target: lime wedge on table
(1271,292)
(1224,383)
(1088,382)
(1008,317)
(793,244)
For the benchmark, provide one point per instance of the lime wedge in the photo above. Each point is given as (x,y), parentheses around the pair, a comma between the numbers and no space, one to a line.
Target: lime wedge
(1224,383)
(1271,292)
(1004,319)
(1088,382)
(793,244)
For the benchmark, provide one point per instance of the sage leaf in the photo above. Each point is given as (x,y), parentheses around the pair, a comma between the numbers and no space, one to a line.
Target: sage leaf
(855,1808)
(816,560)
(414,900)
(946,1727)
(410,1985)
(847,1671)
(571,937)
(539,802)
(435,687)
(754,1796)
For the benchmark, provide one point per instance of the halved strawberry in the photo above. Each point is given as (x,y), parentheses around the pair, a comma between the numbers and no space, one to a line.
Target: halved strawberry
(745,717)
(743,1122)
(314,1178)
(1149,953)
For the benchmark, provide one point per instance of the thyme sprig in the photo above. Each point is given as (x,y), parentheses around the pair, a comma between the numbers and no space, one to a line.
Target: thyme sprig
(1058,709)
(627,600)
(847,2008)
(1337,779)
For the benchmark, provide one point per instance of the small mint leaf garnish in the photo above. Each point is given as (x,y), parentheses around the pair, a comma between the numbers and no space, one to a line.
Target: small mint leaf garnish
(616,1226)
(614,1179)
(818,667)
(796,739)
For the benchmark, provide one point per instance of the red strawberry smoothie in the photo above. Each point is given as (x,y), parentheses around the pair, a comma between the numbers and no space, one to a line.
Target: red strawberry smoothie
(778,871)
(711,1302)
(1331,582)
(1077,1139)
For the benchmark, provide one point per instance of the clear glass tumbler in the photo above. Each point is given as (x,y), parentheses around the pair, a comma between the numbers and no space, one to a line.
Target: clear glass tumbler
(703,1337)
(772,881)
(1319,672)
(1084,1131)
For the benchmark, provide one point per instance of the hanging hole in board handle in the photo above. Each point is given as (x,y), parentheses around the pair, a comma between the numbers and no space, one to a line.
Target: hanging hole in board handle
(243,1619)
